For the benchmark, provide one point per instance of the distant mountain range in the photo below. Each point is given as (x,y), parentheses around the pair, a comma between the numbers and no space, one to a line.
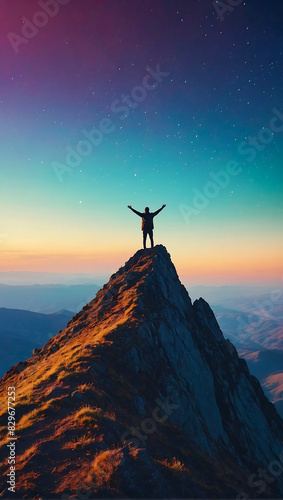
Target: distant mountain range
(49,278)
(258,338)
(251,333)
(22,331)
(267,366)
(236,296)
(46,298)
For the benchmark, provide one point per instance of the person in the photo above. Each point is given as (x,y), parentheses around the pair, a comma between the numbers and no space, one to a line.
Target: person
(147,223)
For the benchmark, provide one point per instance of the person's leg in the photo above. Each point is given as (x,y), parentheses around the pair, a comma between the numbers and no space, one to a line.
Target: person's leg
(144,239)
(151,238)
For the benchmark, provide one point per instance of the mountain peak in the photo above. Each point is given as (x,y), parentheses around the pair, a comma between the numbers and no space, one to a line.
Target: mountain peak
(142,384)
(148,272)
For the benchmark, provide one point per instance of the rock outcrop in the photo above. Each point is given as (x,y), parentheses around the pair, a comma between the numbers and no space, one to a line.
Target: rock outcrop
(146,388)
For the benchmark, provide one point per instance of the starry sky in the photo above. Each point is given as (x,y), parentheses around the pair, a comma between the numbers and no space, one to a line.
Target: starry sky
(105,104)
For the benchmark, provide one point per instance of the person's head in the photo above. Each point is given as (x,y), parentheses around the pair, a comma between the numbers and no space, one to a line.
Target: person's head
(146,210)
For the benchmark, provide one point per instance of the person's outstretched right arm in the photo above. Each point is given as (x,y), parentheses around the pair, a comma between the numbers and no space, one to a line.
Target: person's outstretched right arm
(133,210)
(157,211)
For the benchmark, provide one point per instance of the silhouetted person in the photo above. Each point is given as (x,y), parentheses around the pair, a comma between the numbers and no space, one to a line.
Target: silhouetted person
(147,223)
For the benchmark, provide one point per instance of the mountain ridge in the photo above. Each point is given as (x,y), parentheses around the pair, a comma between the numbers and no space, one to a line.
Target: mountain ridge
(141,347)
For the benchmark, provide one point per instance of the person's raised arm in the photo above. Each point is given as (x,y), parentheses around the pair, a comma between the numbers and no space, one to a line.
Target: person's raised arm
(135,211)
(157,211)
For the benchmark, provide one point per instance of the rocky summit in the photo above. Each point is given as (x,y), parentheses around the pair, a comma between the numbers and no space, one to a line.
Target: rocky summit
(141,396)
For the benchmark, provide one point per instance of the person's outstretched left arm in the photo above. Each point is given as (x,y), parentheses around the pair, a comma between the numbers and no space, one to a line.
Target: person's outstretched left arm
(157,211)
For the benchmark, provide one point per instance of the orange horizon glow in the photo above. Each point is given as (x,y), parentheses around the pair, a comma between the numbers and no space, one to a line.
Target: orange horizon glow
(193,266)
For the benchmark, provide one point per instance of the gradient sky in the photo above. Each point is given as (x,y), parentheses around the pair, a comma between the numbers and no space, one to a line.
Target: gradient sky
(223,85)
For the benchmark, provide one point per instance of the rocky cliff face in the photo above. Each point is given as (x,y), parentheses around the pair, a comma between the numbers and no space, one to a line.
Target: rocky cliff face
(141,395)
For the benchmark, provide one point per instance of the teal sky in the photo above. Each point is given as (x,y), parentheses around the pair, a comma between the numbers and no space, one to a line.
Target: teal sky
(219,86)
